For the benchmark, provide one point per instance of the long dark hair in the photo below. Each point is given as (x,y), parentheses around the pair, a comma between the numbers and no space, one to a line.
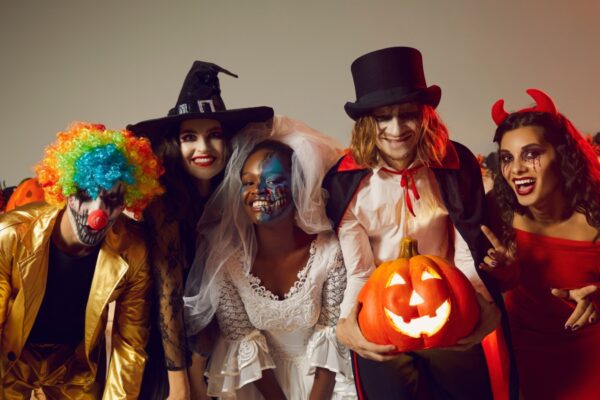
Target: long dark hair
(577,162)
(181,201)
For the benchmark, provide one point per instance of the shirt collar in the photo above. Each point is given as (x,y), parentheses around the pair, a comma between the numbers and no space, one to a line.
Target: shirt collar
(450,161)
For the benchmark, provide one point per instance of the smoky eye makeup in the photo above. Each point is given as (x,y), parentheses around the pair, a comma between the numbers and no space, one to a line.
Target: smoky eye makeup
(114,199)
(532,153)
(405,116)
(216,134)
(187,137)
(409,116)
(275,179)
(382,118)
(505,157)
(82,195)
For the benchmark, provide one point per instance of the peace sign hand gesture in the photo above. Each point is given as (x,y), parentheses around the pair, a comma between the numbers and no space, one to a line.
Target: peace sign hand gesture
(498,256)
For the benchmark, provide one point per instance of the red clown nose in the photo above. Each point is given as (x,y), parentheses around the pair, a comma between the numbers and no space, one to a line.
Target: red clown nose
(97,219)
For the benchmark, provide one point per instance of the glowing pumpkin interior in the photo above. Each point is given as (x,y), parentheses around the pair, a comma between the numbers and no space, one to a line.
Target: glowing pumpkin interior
(417,302)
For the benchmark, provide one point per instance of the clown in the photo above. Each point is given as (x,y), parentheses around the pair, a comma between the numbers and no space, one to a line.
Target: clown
(62,263)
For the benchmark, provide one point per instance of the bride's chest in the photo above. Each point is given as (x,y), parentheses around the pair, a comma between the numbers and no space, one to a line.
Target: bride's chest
(300,307)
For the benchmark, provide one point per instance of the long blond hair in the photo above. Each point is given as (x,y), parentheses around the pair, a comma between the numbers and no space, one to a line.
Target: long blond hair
(431,145)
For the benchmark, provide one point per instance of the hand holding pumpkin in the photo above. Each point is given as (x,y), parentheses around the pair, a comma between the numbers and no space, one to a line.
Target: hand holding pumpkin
(489,318)
(348,334)
(585,312)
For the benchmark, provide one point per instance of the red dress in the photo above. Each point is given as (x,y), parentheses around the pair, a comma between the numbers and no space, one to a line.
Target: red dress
(554,363)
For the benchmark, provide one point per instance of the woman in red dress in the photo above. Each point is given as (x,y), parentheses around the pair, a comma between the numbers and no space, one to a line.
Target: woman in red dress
(547,191)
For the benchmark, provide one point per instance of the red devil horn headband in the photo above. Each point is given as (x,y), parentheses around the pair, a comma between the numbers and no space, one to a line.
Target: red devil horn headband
(543,103)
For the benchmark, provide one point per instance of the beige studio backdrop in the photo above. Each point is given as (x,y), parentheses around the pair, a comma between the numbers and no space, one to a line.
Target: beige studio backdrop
(118,62)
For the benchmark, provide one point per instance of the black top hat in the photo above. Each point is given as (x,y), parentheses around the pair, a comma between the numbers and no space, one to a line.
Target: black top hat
(200,97)
(390,76)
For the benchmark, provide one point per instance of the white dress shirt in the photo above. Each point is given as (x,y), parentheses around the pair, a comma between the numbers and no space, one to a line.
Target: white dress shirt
(377,219)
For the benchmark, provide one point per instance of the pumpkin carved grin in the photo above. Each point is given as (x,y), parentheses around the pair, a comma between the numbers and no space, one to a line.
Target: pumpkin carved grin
(428,324)
(424,325)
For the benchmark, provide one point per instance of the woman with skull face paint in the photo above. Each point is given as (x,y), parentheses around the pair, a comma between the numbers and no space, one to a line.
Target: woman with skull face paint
(193,143)
(62,263)
(272,272)
(548,193)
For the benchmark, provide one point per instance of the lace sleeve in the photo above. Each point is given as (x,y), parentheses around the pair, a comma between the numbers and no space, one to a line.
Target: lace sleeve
(241,353)
(323,350)
(333,291)
(167,270)
(231,313)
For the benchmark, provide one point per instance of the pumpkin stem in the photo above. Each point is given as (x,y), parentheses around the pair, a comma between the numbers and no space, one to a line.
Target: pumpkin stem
(408,248)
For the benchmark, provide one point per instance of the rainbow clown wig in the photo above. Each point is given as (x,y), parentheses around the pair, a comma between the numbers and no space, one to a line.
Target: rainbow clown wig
(91,158)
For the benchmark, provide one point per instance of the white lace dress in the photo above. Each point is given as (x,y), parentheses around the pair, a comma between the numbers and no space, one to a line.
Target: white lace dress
(294,335)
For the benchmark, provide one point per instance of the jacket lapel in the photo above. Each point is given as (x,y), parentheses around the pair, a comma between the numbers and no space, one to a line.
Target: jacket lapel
(110,269)
(33,269)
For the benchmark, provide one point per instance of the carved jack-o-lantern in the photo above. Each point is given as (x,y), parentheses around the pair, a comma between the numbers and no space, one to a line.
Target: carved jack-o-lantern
(417,302)
(28,191)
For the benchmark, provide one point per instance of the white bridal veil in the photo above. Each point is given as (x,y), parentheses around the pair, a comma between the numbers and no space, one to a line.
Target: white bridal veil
(225,231)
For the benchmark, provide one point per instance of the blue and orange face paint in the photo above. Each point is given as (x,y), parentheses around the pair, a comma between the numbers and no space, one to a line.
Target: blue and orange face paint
(270,187)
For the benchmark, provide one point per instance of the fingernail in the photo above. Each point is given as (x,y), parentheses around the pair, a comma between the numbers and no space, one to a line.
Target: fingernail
(575,327)
(592,320)
(567,327)
(481,265)
(493,263)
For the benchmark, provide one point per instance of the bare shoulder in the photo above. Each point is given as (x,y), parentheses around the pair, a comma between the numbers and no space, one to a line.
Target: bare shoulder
(575,227)
(578,228)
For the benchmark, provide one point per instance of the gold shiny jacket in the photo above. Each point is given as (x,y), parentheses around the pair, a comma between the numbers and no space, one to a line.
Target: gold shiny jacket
(121,275)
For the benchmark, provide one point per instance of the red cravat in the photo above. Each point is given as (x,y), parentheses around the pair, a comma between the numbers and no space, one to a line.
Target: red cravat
(407,178)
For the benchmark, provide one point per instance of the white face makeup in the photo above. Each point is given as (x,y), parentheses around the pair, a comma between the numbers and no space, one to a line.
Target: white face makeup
(398,133)
(202,147)
(103,210)
(528,163)
(266,187)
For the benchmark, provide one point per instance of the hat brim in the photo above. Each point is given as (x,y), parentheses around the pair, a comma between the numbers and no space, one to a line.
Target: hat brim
(430,96)
(231,120)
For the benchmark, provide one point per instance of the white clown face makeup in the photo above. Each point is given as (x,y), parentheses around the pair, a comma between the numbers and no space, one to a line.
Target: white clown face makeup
(202,147)
(528,163)
(266,187)
(398,134)
(90,218)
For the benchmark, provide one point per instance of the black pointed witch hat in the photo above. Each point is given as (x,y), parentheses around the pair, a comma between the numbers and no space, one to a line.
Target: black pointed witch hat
(200,97)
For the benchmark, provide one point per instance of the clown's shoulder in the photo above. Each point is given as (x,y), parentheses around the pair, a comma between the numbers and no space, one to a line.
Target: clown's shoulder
(22,217)
(17,227)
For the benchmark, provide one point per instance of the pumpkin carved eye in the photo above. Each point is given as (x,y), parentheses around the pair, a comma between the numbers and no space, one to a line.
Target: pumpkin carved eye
(396,279)
(430,274)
